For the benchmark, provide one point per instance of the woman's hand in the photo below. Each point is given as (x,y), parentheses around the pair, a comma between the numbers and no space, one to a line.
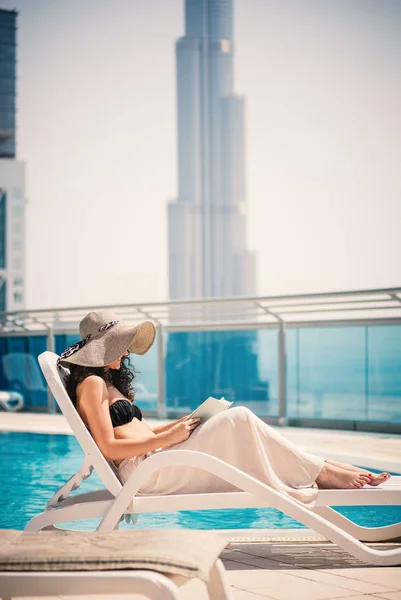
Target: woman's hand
(182,430)
(183,419)
(168,426)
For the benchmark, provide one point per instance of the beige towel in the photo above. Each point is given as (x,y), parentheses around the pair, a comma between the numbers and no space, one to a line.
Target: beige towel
(180,551)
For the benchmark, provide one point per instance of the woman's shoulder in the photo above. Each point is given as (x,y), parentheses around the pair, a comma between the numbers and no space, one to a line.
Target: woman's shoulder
(92,383)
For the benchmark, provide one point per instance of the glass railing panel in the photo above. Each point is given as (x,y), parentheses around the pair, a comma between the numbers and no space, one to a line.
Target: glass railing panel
(332,373)
(233,364)
(384,373)
(337,373)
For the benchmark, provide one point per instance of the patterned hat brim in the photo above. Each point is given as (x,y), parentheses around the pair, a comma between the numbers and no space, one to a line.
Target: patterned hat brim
(108,346)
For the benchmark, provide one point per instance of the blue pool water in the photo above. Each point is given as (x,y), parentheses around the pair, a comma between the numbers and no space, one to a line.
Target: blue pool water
(33,466)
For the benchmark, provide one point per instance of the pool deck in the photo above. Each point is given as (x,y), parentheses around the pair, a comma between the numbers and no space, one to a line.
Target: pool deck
(298,565)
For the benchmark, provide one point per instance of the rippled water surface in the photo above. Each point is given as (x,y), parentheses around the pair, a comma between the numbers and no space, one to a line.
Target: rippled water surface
(33,466)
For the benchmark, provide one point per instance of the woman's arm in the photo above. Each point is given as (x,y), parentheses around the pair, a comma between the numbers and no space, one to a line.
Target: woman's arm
(93,404)
(167,426)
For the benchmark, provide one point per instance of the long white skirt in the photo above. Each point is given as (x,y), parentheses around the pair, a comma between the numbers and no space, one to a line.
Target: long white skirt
(240,438)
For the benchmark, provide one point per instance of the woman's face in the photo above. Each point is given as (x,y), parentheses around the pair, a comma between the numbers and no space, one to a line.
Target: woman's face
(117,363)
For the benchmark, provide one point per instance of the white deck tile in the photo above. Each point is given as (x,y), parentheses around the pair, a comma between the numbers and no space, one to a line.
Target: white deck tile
(355,585)
(237,594)
(282,586)
(389,577)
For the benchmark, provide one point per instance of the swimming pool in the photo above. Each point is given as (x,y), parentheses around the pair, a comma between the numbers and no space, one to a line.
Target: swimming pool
(34,465)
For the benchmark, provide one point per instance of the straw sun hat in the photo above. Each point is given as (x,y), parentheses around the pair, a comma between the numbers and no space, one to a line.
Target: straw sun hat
(105,338)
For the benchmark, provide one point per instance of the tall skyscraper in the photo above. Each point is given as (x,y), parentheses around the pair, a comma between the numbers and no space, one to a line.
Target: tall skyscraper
(208,257)
(8,47)
(12,199)
(207,223)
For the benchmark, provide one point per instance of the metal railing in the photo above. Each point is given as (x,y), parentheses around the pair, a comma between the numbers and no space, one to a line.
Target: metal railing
(224,312)
(363,308)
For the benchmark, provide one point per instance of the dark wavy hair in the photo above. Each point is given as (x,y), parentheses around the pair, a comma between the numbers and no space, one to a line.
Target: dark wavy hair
(121,378)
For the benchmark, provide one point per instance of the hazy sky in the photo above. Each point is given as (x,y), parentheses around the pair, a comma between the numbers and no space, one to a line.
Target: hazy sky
(97,129)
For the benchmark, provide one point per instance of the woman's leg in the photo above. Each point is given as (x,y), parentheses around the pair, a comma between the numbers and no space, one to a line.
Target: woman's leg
(297,468)
(331,475)
(240,438)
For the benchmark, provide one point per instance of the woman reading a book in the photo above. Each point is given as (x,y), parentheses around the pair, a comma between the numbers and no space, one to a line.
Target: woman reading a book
(99,384)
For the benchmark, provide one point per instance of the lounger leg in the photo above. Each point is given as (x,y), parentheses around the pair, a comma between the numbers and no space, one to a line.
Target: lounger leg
(218,587)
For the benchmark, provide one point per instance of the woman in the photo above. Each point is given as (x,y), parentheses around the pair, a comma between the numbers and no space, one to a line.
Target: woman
(99,384)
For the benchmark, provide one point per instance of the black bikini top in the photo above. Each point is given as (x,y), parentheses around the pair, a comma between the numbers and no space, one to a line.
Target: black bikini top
(122,411)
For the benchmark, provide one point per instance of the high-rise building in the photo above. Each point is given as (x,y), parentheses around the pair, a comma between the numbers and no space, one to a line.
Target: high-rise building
(208,257)
(207,223)
(12,199)
(8,48)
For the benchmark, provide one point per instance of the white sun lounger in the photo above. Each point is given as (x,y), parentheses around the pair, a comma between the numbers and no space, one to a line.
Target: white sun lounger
(11,401)
(150,563)
(153,585)
(116,499)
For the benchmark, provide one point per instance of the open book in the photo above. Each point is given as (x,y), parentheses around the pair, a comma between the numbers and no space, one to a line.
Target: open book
(209,408)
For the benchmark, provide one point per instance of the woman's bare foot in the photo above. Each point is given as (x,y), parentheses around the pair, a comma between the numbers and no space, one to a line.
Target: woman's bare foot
(375,478)
(333,477)
(378,478)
